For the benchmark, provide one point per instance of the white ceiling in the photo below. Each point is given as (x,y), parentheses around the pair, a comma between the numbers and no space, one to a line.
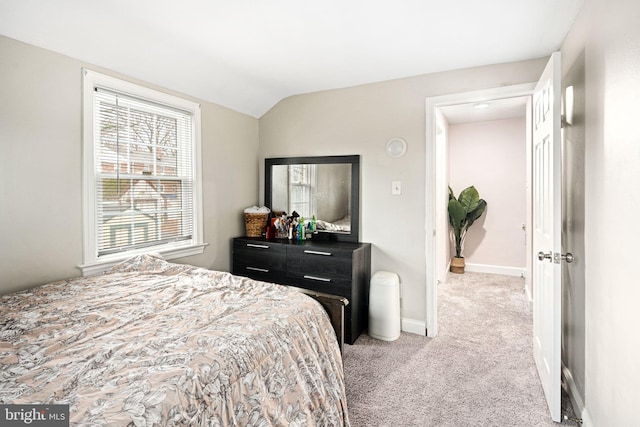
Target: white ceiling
(249,54)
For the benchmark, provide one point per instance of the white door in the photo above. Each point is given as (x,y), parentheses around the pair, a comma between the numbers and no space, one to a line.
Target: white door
(547,203)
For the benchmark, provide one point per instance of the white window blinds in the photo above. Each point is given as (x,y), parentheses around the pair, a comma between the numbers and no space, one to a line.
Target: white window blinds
(144,175)
(302,189)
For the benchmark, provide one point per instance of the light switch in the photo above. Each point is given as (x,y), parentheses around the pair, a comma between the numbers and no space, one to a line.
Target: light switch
(396,188)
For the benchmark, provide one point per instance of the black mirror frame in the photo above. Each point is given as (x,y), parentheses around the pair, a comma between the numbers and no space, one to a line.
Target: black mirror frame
(354,161)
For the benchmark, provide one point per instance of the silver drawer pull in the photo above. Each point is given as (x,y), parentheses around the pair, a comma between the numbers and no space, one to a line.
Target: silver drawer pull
(261,270)
(319,279)
(318,253)
(253,245)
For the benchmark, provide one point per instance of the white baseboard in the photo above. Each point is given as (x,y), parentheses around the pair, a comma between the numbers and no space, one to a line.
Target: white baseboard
(577,401)
(495,269)
(413,326)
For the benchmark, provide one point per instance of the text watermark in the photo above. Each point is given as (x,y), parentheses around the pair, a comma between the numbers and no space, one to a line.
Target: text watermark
(34,415)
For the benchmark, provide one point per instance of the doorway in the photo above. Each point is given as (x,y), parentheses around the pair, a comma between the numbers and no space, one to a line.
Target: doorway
(437,176)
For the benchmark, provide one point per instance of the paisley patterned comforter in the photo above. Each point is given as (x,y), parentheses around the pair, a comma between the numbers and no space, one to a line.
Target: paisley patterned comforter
(155,343)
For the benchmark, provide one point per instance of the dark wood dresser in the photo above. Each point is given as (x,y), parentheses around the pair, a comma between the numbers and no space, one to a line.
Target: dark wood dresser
(335,268)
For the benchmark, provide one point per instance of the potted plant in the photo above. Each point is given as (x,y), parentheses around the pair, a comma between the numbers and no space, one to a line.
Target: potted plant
(463,212)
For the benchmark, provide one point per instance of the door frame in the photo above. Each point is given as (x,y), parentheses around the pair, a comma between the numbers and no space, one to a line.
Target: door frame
(431,208)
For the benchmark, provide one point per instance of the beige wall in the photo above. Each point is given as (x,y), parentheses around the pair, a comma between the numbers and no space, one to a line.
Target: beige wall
(360,120)
(491,156)
(607,37)
(41,169)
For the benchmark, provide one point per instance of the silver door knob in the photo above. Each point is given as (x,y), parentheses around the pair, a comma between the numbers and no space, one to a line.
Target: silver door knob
(542,256)
(568,257)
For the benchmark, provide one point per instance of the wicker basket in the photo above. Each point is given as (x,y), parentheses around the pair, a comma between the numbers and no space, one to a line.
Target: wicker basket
(255,223)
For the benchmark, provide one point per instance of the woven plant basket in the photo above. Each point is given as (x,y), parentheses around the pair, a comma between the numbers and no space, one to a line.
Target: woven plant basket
(255,223)
(457,265)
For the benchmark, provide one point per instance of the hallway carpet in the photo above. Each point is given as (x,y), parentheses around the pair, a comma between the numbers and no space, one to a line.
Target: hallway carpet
(479,371)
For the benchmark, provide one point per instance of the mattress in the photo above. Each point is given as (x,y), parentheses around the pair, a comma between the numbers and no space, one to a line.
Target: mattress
(151,342)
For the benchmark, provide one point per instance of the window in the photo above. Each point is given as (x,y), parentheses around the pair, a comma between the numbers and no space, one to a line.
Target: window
(302,188)
(141,173)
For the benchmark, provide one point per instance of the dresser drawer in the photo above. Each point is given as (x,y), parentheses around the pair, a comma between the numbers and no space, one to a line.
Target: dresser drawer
(259,260)
(321,283)
(320,262)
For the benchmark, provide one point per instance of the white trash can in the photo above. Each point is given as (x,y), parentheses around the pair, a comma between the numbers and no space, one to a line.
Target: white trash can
(384,306)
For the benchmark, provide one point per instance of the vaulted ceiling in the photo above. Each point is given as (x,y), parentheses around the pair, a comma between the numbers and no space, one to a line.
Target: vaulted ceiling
(248,55)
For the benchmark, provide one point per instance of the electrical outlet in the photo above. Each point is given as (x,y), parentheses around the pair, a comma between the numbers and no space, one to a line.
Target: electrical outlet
(396,188)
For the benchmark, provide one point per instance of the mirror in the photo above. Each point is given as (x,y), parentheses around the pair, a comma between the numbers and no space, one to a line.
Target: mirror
(327,187)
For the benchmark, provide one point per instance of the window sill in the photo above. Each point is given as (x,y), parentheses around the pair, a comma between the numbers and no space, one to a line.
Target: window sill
(168,253)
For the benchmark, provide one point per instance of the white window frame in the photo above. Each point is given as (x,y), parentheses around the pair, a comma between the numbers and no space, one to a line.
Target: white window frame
(92,263)
(308,184)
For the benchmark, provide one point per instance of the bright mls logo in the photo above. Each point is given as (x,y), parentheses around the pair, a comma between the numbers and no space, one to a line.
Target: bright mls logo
(34,415)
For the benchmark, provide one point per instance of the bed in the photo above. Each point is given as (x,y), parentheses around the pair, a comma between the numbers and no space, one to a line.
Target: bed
(151,342)
(339,225)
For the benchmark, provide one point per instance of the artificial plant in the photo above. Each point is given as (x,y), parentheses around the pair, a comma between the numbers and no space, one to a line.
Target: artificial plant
(463,212)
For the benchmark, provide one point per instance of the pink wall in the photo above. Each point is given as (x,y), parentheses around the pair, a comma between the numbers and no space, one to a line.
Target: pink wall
(492,157)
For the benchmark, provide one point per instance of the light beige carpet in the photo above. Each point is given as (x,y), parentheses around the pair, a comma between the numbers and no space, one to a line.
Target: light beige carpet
(479,371)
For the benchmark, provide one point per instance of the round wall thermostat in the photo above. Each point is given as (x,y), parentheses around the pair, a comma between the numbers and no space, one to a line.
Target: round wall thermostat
(396,147)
